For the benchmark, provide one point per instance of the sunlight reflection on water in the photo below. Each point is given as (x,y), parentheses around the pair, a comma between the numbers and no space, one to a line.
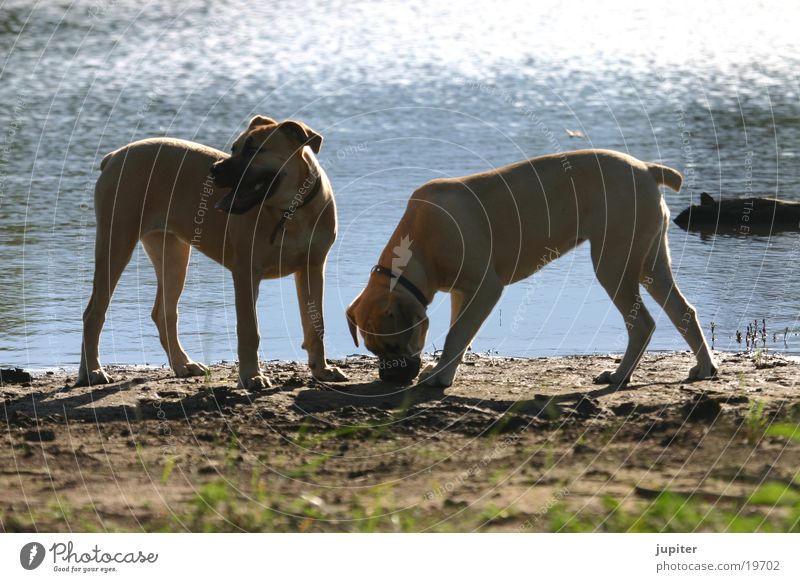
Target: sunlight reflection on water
(403,93)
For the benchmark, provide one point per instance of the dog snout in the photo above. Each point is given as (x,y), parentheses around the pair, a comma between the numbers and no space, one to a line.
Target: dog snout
(399,370)
(215,169)
(223,173)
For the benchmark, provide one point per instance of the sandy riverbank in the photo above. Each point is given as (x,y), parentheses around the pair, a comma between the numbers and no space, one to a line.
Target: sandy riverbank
(515,445)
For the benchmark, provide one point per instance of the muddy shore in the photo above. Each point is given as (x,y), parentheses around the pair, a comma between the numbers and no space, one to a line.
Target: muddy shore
(515,445)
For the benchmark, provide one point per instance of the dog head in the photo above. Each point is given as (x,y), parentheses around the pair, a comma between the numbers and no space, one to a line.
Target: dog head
(394,325)
(268,162)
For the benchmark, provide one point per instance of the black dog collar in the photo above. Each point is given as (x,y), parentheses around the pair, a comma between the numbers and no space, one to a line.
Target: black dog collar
(285,214)
(413,289)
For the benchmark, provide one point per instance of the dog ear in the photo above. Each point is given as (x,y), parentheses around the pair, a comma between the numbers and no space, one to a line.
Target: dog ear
(261,120)
(303,134)
(351,320)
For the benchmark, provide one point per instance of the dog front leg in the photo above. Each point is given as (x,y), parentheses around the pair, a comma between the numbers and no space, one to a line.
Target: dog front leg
(245,288)
(475,308)
(310,283)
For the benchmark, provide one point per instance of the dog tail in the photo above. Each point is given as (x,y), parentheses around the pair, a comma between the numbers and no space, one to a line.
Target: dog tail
(666,176)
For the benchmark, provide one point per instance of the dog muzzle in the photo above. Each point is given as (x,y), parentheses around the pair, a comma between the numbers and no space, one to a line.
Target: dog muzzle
(399,370)
(245,196)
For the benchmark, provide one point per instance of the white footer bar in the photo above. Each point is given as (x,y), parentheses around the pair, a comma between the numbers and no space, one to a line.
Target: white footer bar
(417,557)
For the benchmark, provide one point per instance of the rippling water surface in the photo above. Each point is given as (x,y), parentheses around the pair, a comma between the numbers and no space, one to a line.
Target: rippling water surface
(402,92)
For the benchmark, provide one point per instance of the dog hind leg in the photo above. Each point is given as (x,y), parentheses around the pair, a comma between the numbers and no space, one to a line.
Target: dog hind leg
(658,279)
(112,255)
(170,258)
(619,276)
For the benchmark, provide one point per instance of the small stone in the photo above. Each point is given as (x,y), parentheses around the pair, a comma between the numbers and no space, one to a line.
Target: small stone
(43,436)
(14,376)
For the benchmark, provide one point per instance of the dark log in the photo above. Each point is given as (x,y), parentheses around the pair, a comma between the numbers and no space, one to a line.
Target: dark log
(743,215)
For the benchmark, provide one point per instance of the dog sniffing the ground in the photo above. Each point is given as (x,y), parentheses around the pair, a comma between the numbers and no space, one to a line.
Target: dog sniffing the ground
(474,235)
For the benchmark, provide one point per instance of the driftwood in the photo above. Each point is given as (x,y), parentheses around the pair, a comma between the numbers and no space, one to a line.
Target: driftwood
(740,215)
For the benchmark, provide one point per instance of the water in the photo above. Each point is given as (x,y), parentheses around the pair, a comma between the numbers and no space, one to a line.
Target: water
(402,93)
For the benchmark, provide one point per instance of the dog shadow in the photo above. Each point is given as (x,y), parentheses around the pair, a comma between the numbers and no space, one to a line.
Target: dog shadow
(315,398)
(380,395)
(73,404)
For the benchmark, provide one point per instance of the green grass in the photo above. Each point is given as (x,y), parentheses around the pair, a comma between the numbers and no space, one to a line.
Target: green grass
(773,507)
(260,501)
(755,422)
(784,430)
(221,505)
(166,472)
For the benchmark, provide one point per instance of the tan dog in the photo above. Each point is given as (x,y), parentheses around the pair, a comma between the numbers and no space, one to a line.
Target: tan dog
(163,191)
(472,236)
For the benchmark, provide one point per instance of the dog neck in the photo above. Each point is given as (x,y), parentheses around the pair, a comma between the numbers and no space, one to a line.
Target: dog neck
(411,278)
(308,195)
(402,281)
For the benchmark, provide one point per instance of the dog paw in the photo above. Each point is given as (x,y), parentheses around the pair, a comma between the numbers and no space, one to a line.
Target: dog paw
(190,369)
(427,371)
(703,372)
(330,374)
(94,378)
(258,382)
(433,378)
(611,377)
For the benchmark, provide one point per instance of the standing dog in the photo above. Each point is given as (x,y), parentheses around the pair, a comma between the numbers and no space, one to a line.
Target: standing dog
(472,236)
(161,191)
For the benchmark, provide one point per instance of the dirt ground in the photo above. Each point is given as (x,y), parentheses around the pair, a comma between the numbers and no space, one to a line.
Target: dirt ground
(515,445)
